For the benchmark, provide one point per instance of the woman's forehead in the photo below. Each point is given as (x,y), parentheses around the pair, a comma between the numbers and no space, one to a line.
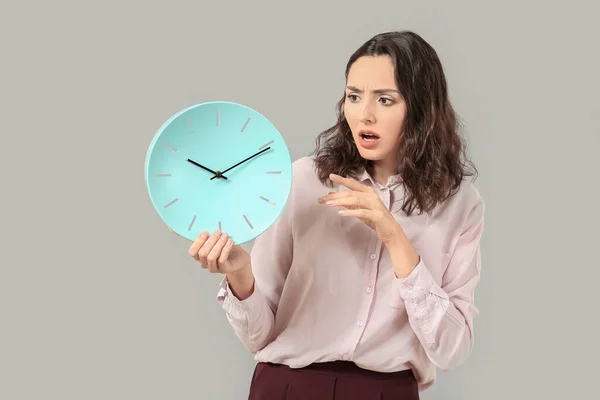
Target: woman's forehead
(372,73)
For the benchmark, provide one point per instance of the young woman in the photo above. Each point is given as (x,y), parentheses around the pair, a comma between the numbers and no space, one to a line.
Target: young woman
(365,283)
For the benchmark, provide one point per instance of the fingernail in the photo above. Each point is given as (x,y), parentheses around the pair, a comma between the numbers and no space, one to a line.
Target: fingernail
(330,202)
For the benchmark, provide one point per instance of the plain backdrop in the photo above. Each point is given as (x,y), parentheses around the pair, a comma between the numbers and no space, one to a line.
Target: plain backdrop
(99,301)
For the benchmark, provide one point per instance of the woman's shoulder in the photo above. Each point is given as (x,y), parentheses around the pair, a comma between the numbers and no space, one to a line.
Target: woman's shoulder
(464,201)
(304,172)
(468,193)
(306,186)
(305,164)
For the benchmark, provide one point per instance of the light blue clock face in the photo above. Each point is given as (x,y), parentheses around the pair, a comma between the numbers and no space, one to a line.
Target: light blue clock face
(218,165)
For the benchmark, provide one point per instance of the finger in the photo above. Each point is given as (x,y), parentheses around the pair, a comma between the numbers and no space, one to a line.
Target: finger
(346,193)
(349,194)
(350,183)
(225,252)
(354,201)
(198,243)
(215,253)
(207,247)
(337,195)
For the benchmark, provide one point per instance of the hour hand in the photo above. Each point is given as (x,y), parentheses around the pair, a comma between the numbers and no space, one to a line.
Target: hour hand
(217,174)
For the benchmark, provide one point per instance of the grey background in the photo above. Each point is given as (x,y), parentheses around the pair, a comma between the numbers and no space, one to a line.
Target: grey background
(99,301)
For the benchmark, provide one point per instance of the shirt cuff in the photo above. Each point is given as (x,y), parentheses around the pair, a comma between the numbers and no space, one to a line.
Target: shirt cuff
(235,307)
(418,284)
(422,296)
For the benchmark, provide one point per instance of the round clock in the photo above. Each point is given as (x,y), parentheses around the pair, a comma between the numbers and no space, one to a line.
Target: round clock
(218,165)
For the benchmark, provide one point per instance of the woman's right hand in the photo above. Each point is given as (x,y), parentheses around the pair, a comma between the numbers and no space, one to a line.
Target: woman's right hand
(218,254)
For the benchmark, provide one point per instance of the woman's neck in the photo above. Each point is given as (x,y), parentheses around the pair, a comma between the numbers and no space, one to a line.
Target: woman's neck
(382,170)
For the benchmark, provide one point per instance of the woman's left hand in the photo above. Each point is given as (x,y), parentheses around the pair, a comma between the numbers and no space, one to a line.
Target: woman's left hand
(362,202)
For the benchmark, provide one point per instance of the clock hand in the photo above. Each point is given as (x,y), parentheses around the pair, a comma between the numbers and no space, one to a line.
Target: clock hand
(243,161)
(218,174)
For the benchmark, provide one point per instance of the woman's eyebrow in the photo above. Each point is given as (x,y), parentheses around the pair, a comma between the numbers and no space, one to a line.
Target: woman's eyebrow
(384,90)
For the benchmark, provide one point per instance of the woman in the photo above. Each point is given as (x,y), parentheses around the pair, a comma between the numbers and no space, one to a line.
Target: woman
(365,283)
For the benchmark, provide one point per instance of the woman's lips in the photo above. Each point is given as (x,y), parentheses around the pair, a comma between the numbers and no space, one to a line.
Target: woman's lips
(368,139)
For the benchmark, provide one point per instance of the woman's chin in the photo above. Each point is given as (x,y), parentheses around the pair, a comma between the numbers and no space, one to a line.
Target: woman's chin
(370,154)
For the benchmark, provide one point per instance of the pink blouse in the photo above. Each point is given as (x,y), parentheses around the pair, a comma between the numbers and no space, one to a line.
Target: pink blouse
(325,288)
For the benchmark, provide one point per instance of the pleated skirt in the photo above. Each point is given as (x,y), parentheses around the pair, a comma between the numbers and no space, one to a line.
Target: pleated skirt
(338,380)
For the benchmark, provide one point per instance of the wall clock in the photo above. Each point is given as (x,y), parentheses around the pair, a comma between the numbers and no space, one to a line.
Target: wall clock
(218,165)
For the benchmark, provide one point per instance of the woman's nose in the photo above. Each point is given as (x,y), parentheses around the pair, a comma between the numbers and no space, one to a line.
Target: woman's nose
(366,114)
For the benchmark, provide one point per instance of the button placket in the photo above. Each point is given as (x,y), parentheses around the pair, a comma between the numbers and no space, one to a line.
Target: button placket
(363,312)
(373,269)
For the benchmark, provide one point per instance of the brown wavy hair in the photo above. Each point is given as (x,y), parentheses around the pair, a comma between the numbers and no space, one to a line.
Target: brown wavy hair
(432,160)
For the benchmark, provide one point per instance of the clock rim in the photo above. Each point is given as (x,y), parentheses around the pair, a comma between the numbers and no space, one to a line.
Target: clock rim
(159,133)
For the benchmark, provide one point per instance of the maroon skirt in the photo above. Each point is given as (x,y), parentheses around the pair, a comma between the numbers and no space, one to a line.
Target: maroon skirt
(338,380)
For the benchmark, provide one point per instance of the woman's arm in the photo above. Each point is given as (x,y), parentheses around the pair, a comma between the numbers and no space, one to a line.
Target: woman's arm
(442,315)
(251,295)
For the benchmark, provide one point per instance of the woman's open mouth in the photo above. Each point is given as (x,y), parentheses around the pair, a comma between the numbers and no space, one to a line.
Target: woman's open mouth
(368,138)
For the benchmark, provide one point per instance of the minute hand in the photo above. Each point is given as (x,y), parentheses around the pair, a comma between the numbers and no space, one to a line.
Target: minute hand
(243,161)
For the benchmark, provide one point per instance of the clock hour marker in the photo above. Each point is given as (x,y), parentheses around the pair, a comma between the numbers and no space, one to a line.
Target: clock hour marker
(220,226)
(171,202)
(162,175)
(217,117)
(245,125)
(170,147)
(274,172)
(249,224)
(266,145)
(192,223)
(267,200)
(189,126)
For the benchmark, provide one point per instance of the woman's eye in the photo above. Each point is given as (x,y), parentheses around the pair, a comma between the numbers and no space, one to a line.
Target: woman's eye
(352,97)
(386,101)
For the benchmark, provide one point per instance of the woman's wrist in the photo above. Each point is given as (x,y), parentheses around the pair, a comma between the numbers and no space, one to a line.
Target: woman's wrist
(241,282)
(403,255)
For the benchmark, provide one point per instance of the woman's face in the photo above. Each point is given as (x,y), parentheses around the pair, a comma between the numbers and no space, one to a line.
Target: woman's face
(374,108)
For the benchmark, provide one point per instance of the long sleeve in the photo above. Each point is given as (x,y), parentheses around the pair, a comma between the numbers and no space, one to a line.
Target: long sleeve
(442,316)
(253,319)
